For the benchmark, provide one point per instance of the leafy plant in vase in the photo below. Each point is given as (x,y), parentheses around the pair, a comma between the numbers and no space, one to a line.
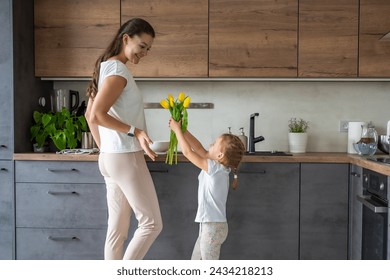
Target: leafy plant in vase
(297,136)
(62,128)
(39,135)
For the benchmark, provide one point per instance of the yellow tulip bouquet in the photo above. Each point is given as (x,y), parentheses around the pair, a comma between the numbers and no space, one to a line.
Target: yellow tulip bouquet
(178,110)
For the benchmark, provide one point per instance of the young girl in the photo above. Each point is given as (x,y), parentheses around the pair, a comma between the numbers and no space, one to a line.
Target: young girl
(223,156)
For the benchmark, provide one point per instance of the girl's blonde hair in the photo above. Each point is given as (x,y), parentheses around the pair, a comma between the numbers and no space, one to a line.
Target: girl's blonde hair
(233,152)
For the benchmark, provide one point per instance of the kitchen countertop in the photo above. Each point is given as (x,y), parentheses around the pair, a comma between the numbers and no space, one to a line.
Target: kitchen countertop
(295,158)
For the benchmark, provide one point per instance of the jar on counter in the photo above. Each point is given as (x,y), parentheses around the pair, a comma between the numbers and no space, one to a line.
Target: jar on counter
(368,143)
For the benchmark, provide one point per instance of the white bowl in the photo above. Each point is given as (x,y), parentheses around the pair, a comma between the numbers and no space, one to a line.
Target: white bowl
(160,146)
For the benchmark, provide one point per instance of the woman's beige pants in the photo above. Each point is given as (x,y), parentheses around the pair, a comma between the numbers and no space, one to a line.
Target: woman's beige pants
(130,189)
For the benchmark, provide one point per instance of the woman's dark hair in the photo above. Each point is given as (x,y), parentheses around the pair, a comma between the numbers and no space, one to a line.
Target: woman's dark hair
(233,152)
(135,26)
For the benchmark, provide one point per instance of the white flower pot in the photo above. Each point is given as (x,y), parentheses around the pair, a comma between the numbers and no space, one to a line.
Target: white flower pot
(43,149)
(297,142)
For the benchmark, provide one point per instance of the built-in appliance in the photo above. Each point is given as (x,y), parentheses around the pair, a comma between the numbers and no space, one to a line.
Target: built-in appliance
(375,216)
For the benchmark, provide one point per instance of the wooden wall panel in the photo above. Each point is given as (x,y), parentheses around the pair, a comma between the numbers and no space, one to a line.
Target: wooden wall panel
(180,48)
(250,38)
(374,55)
(328,38)
(70,35)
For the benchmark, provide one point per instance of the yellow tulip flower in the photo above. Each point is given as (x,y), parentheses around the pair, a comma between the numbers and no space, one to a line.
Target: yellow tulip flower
(178,110)
(186,102)
(181,97)
(164,104)
(171,100)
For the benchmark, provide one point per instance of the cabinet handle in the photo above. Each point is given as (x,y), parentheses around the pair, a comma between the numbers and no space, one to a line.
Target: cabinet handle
(63,238)
(3,169)
(252,172)
(3,146)
(159,171)
(355,174)
(365,200)
(63,193)
(62,170)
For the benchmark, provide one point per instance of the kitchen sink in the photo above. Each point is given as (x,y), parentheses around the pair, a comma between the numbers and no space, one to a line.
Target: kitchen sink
(268,153)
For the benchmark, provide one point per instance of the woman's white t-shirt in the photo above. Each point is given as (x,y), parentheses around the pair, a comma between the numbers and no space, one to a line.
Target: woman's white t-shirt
(128,108)
(212,193)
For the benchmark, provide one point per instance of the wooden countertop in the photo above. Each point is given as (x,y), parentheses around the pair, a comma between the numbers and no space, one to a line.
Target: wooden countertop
(295,158)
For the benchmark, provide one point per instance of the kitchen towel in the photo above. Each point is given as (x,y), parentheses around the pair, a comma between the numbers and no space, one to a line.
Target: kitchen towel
(354,134)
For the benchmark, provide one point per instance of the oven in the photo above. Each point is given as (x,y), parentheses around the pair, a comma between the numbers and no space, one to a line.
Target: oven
(375,219)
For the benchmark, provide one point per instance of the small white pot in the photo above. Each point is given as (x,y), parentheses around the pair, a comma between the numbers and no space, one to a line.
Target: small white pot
(297,142)
(43,149)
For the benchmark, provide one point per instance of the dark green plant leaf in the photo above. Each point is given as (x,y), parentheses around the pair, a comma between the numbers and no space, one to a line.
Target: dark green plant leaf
(37,117)
(46,118)
(41,139)
(59,140)
(83,121)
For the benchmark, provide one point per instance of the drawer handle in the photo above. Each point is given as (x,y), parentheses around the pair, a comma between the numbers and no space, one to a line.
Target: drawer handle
(3,146)
(3,169)
(63,193)
(355,174)
(365,200)
(252,172)
(159,171)
(63,238)
(62,170)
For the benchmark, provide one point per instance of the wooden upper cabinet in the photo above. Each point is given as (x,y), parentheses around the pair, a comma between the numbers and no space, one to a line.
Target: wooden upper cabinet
(180,48)
(250,38)
(328,38)
(220,38)
(374,54)
(70,35)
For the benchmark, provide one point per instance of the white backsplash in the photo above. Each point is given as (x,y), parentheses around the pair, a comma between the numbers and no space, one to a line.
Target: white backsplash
(323,104)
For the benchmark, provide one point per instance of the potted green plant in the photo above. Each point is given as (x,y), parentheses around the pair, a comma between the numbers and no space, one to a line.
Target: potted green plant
(62,128)
(297,137)
(40,135)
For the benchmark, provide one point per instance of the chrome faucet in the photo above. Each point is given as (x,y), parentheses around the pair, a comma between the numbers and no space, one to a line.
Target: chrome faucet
(252,139)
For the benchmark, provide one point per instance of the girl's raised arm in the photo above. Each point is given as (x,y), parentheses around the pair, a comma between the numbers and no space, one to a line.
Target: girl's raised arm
(186,148)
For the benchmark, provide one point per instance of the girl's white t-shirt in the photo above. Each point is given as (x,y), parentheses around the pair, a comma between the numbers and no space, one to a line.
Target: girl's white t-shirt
(212,193)
(128,108)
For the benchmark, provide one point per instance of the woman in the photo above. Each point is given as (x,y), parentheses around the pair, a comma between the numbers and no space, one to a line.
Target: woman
(116,119)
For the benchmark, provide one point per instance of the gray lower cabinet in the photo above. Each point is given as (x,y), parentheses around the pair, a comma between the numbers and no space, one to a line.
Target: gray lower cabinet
(355,213)
(61,210)
(324,211)
(60,244)
(281,211)
(6,210)
(6,80)
(6,131)
(19,92)
(263,213)
(177,191)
